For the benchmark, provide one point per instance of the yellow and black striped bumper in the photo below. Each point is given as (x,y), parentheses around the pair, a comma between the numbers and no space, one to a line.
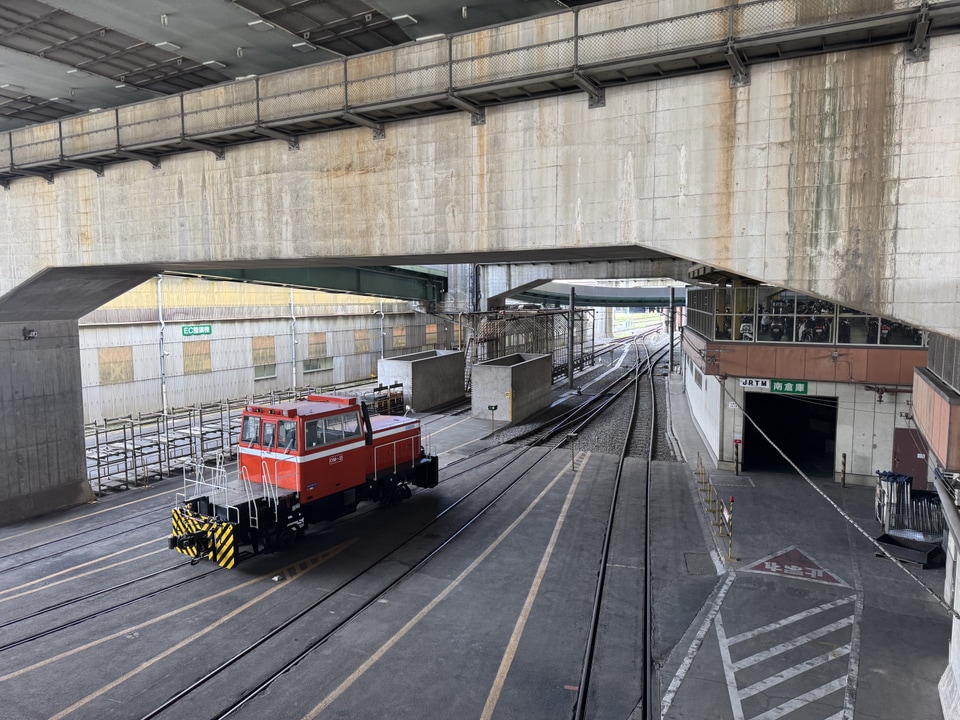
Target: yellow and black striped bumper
(204,537)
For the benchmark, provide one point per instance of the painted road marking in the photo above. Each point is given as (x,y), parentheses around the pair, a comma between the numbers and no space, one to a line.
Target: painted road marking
(73,569)
(440,597)
(695,645)
(289,572)
(805,699)
(826,684)
(794,671)
(793,618)
(92,514)
(794,563)
(792,644)
(494,696)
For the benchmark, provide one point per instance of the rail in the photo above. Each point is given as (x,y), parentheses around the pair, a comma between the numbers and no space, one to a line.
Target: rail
(585,50)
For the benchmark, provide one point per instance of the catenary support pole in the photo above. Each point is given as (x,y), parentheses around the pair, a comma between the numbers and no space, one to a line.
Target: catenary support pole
(570,334)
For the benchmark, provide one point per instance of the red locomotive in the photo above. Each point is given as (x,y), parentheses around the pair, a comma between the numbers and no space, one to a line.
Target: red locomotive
(299,462)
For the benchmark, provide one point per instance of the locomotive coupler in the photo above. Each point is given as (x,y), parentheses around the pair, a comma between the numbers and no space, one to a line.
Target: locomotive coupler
(190,541)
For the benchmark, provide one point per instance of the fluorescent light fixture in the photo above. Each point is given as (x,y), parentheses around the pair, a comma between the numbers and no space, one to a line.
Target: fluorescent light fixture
(303,47)
(404,20)
(11,87)
(126,88)
(77,72)
(62,101)
(260,26)
(245,77)
(430,37)
(169,46)
(94,109)
(215,64)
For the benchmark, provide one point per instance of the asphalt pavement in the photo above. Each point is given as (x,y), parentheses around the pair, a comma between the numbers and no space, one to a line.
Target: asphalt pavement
(803,620)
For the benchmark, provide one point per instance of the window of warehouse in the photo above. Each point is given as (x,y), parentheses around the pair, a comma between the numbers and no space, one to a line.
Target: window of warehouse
(264,357)
(361,341)
(115,365)
(196,357)
(317,353)
(399,338)
(431,339)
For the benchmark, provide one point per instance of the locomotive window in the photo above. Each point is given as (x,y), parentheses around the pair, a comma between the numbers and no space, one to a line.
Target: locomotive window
(351,425)
(342,427)
(269,434)
(251,430)
(314,433)
(287,434)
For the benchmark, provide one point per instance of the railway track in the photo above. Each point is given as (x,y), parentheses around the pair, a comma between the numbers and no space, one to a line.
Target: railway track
(548,439)
(484,479)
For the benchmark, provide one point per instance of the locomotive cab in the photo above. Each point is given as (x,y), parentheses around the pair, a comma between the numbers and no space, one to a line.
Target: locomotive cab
(302,462)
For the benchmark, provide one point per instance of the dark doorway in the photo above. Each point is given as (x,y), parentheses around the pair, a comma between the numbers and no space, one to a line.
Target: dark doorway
(804,427)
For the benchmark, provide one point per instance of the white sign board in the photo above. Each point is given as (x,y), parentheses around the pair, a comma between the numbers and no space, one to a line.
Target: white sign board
(756,383)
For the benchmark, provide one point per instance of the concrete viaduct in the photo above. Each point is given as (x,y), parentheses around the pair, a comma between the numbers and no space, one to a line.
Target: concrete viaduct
(831,173)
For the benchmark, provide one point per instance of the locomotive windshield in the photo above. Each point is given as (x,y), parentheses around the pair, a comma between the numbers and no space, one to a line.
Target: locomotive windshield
(282,434)
(251,429)
(287,435)
(269,434)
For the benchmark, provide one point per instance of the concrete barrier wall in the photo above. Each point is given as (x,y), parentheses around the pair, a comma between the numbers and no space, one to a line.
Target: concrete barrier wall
(41,438)
(430,378)
(519,385)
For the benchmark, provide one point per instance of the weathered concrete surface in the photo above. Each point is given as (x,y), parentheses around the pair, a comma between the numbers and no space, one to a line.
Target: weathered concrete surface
(517,385)
(833,175)
(42,465)
(430,379)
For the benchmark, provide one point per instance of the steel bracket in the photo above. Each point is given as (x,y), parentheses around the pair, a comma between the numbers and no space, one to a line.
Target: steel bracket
(741,75)
(378,132)
(478,115)
(131,155)
(293,142)
(98,169)
(34,173)
(918,50)
(197,145)
(597,95)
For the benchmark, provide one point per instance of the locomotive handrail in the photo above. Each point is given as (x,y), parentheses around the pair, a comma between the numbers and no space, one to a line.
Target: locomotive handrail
(251,504)
(216,489)
(286,474)
(270,490)
(392,446)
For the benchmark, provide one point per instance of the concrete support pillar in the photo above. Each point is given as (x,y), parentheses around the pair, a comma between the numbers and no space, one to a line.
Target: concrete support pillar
(42,458)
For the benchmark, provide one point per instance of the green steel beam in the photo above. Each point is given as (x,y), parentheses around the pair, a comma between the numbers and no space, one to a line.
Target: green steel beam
(403,284)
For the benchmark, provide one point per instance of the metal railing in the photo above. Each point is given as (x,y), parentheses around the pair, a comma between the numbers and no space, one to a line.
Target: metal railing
(447,68)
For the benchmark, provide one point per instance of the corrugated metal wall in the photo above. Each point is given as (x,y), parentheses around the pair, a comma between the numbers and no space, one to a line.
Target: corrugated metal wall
(235,314)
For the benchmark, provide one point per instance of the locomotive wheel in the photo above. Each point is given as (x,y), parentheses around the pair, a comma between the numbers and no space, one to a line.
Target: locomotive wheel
(391,491)
(285,539)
